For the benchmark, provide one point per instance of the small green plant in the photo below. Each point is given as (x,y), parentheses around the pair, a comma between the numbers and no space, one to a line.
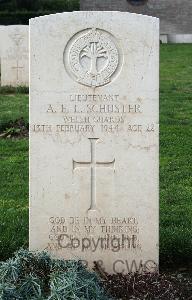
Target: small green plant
(11,132)
(30,276)
(17,128)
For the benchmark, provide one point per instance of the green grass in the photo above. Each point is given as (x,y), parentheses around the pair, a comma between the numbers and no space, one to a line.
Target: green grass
(13,196)
(175,163)
(12,107)
(14,90)
(13,174)
(176,155)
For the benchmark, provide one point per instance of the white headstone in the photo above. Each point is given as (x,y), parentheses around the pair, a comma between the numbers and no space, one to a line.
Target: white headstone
(179,38)
(14,55)
(1,28)
(163,38)
(94,138)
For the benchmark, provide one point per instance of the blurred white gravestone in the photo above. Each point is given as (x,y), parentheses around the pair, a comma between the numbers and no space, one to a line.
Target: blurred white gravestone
(1,28)
(94,138)
(14,55)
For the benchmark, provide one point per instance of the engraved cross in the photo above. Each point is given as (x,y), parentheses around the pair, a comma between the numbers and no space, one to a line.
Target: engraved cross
(17,68)
(93,165)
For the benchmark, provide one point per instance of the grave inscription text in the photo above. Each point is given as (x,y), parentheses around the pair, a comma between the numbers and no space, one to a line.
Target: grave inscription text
(103,113)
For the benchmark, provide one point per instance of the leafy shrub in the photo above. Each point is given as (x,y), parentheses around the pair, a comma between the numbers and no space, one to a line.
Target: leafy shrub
(30,276)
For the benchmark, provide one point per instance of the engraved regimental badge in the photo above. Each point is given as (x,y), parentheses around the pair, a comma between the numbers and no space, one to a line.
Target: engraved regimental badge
(91,57)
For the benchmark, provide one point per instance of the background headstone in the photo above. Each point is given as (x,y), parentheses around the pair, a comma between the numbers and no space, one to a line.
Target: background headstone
(163,38)
(94,138)
(1,27)
(180,38)
(14,55)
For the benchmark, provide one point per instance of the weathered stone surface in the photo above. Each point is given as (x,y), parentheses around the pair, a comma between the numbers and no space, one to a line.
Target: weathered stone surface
(1,28)
(14,55)
(94,138)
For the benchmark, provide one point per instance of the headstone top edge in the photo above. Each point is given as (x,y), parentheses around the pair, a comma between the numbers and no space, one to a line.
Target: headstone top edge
(87,13)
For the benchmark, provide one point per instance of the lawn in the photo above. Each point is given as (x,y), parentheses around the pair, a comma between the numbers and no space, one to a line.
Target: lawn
(176,155)
(175,163)
(12,106)
(14,177)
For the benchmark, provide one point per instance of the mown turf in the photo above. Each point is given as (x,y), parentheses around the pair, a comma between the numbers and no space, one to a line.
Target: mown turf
(175,164)
(12,107)
(13,174)
(176,155)
(13,196)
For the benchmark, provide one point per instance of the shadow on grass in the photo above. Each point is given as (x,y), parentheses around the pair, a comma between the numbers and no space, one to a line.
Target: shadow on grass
(14,90)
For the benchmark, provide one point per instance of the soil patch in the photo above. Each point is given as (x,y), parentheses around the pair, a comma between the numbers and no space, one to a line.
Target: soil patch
(150,286)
